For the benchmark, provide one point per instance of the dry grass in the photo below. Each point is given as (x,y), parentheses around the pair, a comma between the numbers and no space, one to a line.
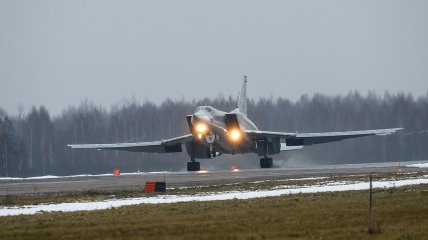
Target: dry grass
(14,200)
(399,213)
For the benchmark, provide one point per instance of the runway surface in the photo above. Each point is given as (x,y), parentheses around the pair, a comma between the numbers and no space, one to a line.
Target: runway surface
(132,181)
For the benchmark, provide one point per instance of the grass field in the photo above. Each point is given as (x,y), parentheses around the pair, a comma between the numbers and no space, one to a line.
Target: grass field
(399,213)
(16,200)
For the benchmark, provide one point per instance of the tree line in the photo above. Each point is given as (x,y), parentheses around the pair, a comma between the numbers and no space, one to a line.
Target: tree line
(34,143)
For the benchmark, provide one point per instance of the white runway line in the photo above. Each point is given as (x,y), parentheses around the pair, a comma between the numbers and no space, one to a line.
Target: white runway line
(215,196)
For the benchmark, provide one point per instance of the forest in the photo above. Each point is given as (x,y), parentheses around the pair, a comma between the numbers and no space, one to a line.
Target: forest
(33,143)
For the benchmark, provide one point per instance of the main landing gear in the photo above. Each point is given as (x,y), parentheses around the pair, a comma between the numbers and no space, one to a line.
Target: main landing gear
(193,166)
(266,162)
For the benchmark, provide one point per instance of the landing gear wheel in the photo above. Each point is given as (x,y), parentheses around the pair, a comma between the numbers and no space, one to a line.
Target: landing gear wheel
(266,162)
(193,166)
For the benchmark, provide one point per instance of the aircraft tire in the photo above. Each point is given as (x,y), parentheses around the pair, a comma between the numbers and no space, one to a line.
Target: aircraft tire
(266,162)
(193,166)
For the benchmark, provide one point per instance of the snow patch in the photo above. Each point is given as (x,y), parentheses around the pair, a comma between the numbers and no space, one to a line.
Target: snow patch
(29,178)
(290,179)
(74,176)
(418,165)
(216,196)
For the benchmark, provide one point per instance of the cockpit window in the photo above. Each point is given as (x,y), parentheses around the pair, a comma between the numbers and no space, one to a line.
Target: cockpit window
(207,109)
(200,108)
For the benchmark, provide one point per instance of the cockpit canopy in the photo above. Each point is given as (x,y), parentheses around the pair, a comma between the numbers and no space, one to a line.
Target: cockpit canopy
(208,110)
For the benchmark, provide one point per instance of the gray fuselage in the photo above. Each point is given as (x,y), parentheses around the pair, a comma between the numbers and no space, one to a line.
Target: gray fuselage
(217,137)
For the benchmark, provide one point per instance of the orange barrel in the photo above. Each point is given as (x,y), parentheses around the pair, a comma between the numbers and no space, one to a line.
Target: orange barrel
(150,186)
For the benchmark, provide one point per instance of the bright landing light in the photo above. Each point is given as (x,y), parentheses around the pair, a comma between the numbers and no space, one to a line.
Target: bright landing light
(235,134)
(233,168)
(201,128)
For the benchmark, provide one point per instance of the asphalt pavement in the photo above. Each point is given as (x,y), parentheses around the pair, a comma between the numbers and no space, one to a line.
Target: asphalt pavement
(133,181)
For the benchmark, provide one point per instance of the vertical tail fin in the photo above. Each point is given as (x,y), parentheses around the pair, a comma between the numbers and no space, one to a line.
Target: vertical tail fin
(242,98)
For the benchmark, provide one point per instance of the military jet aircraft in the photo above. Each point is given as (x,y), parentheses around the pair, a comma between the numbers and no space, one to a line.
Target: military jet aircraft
(214,132)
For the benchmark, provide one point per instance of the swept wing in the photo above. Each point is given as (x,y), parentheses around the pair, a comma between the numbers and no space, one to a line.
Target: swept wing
(301,139)
(163,146)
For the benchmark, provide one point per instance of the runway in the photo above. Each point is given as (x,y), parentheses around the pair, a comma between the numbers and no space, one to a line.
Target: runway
(133,181)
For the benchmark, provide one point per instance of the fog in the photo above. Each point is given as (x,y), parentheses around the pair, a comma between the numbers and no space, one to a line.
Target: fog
(34,143)
(57,53)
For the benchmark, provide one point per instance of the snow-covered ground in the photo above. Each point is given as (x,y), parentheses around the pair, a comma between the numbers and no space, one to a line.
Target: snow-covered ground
(212,196)
(76,176)
(418,165)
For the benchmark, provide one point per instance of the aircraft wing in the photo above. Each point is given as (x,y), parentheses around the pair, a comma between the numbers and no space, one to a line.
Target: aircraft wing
(301,139)
(317,138)
(268,134)
(163,146)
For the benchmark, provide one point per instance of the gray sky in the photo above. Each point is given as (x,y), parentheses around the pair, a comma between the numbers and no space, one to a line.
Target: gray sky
(57,53)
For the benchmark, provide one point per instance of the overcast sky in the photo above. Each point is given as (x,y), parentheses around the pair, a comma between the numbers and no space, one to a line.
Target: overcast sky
(57,53)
